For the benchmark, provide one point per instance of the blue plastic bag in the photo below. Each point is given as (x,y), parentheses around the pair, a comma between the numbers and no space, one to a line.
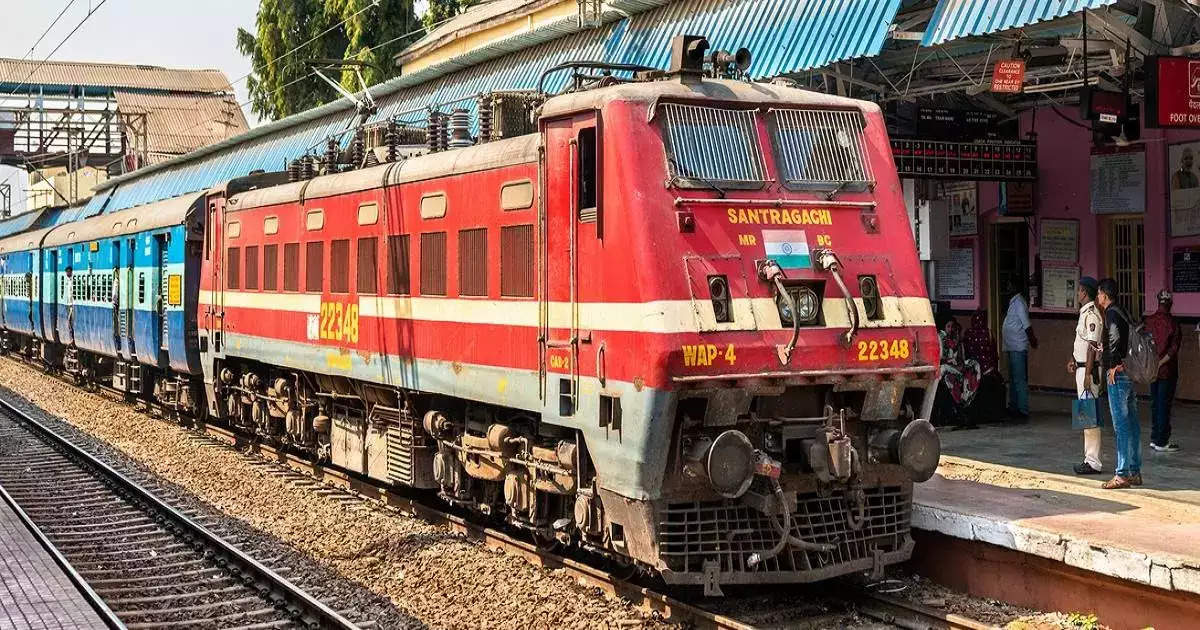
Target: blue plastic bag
(1084,412)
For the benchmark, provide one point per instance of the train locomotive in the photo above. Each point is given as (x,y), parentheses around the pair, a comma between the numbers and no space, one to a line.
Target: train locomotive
(676,320)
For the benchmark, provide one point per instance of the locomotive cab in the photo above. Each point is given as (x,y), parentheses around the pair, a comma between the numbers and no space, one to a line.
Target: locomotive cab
(733,262)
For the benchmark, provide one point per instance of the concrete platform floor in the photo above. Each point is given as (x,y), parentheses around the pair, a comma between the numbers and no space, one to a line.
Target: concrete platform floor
(1012,485)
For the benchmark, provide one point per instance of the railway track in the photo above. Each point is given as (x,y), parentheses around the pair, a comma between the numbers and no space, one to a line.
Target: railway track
(142,562)
(347,487)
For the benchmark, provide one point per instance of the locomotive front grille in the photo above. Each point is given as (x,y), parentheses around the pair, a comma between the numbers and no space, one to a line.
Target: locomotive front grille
(728,532)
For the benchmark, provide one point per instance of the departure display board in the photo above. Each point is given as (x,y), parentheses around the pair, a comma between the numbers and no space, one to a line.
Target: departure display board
(1013,160)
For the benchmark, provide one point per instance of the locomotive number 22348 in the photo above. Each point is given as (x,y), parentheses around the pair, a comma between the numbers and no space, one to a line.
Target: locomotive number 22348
(883,349)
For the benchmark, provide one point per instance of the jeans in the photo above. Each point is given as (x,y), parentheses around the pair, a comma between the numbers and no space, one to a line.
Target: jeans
(1122,402)
(1162,394)
(1018,381)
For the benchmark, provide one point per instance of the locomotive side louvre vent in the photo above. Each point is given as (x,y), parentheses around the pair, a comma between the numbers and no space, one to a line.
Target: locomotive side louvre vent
(270,267)
(397,265)
(314,266)
(410,458)
(820,147)
(339,266)
(516,261)
(472,262)
(712,144)
(367,267)
(516,195)
(433,205)
(291,267)
(233,271)
(433,263)
(251,267)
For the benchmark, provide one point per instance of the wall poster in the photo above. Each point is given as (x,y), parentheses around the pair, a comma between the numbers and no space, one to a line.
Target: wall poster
(1058,240)
(1058,288)
(955,275)
(1183,185)
(1185,270)
(962,198)
(1118,180)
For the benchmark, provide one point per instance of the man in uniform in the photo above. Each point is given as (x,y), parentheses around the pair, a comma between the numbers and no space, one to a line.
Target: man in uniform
(1083,360)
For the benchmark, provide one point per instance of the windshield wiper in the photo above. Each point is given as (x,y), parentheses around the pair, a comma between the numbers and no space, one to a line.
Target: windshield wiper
(703,180)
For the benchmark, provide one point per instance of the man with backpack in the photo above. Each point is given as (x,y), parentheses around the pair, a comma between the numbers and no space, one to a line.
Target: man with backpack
(1119,377)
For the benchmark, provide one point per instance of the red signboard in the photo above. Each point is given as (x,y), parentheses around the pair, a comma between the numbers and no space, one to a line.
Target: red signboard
(1172,92)
(1008,76)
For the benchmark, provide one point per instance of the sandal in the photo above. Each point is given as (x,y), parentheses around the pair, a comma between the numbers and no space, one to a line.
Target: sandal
(1116,483)
(1136,479)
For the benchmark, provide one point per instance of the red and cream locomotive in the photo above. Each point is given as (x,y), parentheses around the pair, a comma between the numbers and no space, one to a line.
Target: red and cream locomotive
(681,323)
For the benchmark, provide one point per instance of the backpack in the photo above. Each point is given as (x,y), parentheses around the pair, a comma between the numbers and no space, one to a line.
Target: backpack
(1141,362)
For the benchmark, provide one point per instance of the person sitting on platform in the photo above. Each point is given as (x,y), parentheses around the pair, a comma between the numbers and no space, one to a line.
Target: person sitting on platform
(980,344)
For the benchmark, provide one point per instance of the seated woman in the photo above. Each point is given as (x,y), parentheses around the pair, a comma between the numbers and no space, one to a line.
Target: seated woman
(980,346)
(959,379)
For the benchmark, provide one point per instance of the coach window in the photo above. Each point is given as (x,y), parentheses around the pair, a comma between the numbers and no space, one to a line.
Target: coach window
(142,288)
(291,267)
(314,266)
(366,266)
(587,175)
(270,267)
(251,267)
(339,266)
(397,265)
(233,268)
(433,263)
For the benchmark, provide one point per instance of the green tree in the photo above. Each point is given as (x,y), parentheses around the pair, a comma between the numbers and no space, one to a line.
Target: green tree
(441,10)
(290,32)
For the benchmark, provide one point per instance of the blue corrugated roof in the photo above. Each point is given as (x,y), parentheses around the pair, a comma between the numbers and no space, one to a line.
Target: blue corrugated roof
(953,19)
(783,35)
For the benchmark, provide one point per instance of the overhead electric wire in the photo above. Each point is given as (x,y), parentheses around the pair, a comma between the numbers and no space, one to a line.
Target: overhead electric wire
(48,28)
(91,11)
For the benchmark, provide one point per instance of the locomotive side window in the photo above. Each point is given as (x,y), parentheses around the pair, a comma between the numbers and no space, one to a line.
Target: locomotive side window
(291,267)
(314,220)
(433,263)
(516,261)
(366,266)
(368,213)
(251,267)
(586,175)
(433,206)
(820,148)
(472,262)
(709,147)
(314,266)
(397,264)
(516,195)
(339,266)
(233,271)
(270,267)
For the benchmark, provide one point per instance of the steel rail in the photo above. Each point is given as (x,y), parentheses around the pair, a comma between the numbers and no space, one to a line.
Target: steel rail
(325,616)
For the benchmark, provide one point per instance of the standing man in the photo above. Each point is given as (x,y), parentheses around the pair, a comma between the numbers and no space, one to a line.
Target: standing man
(1122,399)
(1018,339)
(1083,361)
(1165,330)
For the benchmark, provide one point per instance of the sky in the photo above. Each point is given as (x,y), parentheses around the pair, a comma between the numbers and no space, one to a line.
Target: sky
(171,33)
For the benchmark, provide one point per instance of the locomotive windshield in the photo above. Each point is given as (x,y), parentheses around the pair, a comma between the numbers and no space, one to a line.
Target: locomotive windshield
(706,145)
(820,148)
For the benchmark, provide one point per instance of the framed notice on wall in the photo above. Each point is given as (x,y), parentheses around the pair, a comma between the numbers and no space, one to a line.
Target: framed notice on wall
(1183,187)
(1058,288)
(1118,180)
(956,275)
(1185,270)
(1058,240)
(962,200)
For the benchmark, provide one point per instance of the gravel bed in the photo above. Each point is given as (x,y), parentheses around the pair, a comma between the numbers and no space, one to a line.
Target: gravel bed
(397,571)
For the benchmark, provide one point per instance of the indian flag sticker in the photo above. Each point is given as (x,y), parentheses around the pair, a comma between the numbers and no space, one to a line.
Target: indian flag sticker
(789,248)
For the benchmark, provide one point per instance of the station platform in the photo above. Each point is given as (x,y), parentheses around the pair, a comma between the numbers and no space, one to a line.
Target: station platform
(1012,486)
(35,593)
